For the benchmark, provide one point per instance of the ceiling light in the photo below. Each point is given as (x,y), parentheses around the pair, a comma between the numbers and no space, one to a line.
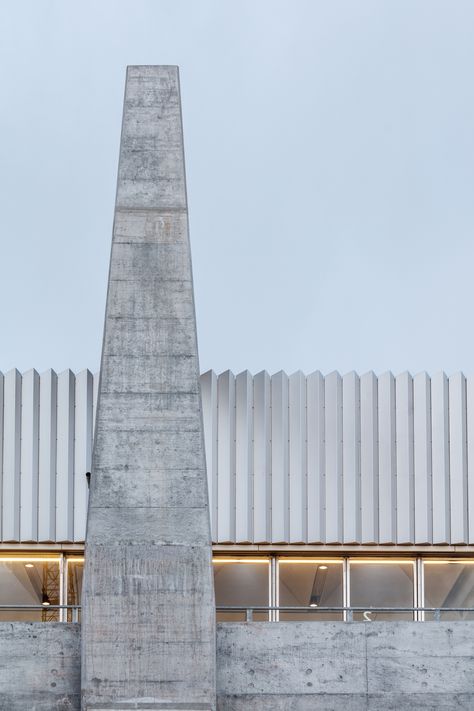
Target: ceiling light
(29,565)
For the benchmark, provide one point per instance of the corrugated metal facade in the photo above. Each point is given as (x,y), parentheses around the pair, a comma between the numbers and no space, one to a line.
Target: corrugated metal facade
(45,452)
(364,460)
(291,459)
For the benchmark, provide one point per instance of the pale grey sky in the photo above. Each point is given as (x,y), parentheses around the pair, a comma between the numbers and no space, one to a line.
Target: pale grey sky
(330,161)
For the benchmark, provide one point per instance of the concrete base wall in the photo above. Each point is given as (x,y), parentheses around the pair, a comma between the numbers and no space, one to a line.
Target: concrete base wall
(40,666)
(349,666)
(376,666)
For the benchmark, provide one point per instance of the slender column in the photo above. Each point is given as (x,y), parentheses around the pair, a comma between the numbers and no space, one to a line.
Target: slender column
(148,637)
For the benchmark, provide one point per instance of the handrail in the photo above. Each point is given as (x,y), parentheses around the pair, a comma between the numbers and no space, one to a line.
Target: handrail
(347,610)
(40,607)
(74,608)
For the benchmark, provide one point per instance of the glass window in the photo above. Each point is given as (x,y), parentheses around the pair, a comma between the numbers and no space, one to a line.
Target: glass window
(75,569)
(242,582)
(30,581)
(449,584)
(382,584)
(310,583)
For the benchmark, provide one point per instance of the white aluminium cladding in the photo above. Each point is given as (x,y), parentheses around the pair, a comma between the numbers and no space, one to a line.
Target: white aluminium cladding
(290,459)
(340,459)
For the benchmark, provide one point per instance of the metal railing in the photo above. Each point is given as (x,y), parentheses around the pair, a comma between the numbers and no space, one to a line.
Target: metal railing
(45,609)
(273,612)
(346,612)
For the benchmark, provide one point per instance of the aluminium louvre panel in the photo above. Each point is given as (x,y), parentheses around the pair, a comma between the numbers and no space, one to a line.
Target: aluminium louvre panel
(290,458)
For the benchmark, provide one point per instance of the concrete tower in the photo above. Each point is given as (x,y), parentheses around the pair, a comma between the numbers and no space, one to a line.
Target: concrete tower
(148,630)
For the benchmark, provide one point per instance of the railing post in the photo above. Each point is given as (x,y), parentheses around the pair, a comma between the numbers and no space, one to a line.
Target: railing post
(249,615)
(62,588)
(437,615)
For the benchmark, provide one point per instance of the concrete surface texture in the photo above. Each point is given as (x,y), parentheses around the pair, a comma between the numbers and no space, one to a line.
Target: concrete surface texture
(148,597)
(377,666)
(39,666)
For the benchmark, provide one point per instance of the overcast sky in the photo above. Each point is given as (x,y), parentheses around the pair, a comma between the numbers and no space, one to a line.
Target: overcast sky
(330,167)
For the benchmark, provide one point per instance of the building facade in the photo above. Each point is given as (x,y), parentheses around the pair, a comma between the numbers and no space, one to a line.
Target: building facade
(351,470)
(330,502)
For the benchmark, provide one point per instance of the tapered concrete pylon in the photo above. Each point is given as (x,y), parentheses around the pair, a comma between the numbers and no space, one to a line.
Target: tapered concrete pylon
(148,621)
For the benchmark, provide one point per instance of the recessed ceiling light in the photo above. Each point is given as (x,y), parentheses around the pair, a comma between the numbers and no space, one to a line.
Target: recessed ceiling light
(29,565)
